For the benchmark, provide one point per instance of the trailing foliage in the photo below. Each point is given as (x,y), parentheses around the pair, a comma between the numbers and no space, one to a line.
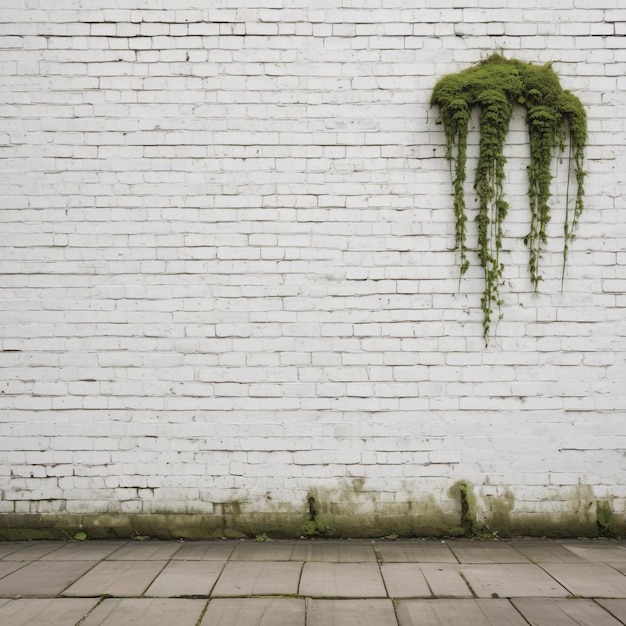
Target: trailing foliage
(496,85)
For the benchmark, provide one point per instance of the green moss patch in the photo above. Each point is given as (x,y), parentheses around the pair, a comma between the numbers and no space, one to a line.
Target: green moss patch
(495,86)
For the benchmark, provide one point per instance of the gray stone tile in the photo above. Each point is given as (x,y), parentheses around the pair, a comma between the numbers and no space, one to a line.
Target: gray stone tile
(617,608)
(35,550)
(146,551)
(10,547)
(258,578)
(255,612)
(262,551)
(414,551)
(445,580)
(84,551)
(368,612)
(511,581)
(598,551)
(216,550)
(545,552)
(116,578)
(8,567)
(486,552)
(342,580)
(405,580)
(146,612)
(43,578)
(563,612)
(334,551)
(186,579)
(48,612)
(465,612)
(589,580)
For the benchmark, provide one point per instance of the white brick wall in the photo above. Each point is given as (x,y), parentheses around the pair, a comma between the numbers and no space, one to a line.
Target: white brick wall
(227,272)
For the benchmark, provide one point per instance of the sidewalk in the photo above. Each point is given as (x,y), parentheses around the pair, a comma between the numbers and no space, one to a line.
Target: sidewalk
(313,583)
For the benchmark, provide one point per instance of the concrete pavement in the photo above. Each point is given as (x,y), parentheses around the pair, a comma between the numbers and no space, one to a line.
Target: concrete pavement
(314,583)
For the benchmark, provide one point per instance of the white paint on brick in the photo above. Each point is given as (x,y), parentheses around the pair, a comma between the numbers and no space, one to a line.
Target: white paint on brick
(227,266)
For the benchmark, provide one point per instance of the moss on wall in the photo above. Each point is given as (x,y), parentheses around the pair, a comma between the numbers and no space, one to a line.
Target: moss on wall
(349,510)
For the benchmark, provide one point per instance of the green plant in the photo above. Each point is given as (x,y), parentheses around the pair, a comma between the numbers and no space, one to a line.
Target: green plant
(80,536)
(496,85)
(314,526)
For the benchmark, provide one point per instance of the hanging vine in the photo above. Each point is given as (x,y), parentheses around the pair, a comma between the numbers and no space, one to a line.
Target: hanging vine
(496,85)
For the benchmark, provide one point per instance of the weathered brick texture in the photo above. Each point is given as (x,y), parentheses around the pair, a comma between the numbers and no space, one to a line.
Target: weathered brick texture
(228,270)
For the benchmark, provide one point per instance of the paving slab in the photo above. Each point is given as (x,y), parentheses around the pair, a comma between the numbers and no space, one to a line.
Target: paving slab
(589,580)
(8,567)
(216,550)
(405,580)
(545,552)
(146,612)
(262,551)
(48,612)
(84,551)
(563,612)
(258,578)
(10,547)
(186,579)
(511,581)
(120,579)
(617,608)
(465,612)
(368,612)
(414,552)
(335,551)
(34,550)
(598,551)
(146,551)
(486,552)
(342,580)
(445,580)
(43,578)
(255,612)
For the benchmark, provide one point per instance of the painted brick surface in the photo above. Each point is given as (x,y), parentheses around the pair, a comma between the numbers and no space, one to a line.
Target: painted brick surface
(228,270)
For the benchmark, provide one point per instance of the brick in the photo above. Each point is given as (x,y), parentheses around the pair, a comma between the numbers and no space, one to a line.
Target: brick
(231,241)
